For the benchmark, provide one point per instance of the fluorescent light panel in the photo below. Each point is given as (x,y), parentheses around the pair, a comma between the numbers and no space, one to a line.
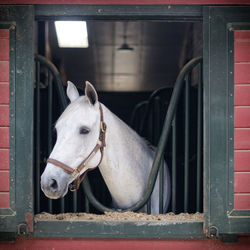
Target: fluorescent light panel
(72,34)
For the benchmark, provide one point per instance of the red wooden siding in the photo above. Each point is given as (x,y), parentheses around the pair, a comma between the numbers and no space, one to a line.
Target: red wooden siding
(241,201)
(242,161)
(242,95)
(242,119)
(202,2)
(4,118)
(124,244)
(4,159)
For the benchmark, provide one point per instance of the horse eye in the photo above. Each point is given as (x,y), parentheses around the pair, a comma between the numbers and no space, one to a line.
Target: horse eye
(84,130)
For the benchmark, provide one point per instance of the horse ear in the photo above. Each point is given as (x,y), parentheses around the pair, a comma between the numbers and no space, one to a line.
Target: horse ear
(91,93)
(72,91)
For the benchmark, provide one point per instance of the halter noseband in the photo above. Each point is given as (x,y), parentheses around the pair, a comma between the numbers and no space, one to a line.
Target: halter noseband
(75,173)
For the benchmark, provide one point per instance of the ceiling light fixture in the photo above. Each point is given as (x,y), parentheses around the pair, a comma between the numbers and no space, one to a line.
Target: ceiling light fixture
(72,34)
(125,46)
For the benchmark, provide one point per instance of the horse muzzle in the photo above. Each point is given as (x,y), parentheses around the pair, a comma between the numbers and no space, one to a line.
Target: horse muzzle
(52,187)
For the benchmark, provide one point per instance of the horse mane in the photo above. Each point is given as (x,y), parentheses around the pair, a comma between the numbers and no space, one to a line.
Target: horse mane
(149,144)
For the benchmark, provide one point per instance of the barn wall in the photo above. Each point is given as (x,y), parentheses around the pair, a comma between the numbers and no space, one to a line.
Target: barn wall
(242,119)
(201,2)
(4,118)
(124,244)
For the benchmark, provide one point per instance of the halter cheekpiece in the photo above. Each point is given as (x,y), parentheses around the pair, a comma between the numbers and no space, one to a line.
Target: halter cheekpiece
(76,173)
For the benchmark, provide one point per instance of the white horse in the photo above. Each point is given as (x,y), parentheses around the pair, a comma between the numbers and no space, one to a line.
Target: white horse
(125,161)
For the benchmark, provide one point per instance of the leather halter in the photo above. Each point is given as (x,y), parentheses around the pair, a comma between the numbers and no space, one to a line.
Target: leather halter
(76,173)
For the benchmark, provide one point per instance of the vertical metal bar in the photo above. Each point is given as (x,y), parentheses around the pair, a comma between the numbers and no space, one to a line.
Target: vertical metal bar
(156,120)
(186,153)
(75,201)
(50,95)
(174,165)
(161,186)
(199,141)
(156,133)
(150,126)
(62,205)
(149,206)
(38,167)
(86,201)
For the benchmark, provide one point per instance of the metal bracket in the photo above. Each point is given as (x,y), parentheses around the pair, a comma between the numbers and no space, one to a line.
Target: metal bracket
(22,229)
(213,232)
(27,227)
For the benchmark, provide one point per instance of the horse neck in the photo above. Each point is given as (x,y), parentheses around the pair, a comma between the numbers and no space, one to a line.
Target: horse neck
(125,162)
(120,139)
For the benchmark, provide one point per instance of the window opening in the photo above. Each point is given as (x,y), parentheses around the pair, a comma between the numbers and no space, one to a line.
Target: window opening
(126,78)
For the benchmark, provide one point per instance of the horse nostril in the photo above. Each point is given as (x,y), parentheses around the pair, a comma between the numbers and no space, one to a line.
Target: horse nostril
(53,184)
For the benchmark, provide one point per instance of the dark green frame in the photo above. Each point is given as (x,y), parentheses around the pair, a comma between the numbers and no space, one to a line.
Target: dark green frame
(219,23)
(19,19)
(118,229)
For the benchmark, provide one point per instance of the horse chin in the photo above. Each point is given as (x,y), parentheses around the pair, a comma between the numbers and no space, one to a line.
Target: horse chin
(57,195)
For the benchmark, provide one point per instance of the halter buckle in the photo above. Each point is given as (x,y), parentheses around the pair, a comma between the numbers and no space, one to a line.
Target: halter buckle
(103,127)
(75,174)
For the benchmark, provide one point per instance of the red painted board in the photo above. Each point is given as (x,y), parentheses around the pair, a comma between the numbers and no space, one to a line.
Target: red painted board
(242,95)
(4,137)
(4,181)
(4,69)
(241,201)
(242,182)
(4,50)
(202,2)
(4,200)
(242,51)
(4,159)
(242,161)
(242,73)
(241,138)
(242,117)
(4,93)
(4,33)
(4,115)
(29,243)
(242,35)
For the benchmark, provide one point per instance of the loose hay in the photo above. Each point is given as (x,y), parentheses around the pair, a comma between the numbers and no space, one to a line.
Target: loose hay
(115,216)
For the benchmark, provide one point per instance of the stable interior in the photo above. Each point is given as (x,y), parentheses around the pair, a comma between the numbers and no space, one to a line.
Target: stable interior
(126,61)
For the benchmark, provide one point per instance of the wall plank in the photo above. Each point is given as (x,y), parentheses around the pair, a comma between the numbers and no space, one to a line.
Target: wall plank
(242,73)
(202,2)
(241,138)
(4,137)
(4,49)
(4,159)
(4,69)
(242,95)
(241,201)
(4,34)
(4,181)
(242,160)
(241,182)
(4,200)
(242,117)
(242,35)
(242,51)
(4,115)
(29,243)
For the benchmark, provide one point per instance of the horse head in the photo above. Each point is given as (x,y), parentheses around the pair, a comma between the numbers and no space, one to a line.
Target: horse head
(78,133)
